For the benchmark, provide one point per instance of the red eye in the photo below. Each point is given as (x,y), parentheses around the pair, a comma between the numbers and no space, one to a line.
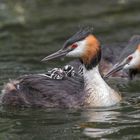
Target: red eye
(130,58)
(74,46)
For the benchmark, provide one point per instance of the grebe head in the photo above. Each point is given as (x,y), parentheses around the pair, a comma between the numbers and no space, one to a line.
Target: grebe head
(82,45)
(131,62)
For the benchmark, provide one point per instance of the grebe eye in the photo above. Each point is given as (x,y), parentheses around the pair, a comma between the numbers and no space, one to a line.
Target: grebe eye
(74,46)
(129,58)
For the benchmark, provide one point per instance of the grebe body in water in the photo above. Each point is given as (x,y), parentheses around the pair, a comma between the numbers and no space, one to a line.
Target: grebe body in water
(39,91)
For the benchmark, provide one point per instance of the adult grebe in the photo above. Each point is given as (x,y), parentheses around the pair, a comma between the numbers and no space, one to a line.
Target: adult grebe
(129,60)
(109,57)
(38,90)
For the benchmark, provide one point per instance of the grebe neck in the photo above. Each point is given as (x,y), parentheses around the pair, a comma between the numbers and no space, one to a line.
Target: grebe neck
(97,91)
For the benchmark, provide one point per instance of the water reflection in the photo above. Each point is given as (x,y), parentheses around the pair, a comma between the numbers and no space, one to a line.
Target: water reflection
(116,122)
(98,133)
(101,124)
(100,115)
(92,129)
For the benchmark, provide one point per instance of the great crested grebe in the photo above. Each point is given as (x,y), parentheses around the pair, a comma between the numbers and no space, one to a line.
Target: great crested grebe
(109,57)
(129,60)
(40,91)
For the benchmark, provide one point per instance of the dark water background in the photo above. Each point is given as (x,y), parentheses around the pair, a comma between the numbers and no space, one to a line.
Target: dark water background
(32,29)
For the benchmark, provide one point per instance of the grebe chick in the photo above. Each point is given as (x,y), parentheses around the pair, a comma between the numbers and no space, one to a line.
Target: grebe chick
(129,60)
(61,73)
(40,91)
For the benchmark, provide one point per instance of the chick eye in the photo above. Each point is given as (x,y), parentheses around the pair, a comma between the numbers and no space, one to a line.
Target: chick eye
(74,46)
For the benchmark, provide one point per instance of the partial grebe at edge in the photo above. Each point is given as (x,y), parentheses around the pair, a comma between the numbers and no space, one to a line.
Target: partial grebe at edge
(129,60)
(39,91)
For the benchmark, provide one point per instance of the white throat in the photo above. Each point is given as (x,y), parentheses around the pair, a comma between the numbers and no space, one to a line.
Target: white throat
(98,93)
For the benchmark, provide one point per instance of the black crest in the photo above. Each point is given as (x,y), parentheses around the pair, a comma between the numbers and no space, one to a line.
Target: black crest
(130,48)
(81,34)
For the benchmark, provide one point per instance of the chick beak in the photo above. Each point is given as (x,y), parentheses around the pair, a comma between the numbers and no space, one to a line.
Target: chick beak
(116,68)
(60,53)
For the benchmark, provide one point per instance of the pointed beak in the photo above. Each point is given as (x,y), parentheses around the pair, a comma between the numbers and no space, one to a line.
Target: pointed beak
(57,54)
(116,68)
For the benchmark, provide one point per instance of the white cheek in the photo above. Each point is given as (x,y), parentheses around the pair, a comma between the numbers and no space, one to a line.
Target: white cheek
(135,62)
(77,52)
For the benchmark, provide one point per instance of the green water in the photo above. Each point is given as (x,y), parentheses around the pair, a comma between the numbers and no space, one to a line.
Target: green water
(32,29)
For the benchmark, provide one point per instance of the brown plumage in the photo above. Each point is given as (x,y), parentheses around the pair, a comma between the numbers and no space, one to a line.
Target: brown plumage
(93,47)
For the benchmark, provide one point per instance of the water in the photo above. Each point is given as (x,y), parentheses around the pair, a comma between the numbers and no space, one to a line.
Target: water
(30,30)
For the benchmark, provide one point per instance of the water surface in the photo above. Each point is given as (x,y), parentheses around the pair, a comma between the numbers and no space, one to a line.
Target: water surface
(30,30)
